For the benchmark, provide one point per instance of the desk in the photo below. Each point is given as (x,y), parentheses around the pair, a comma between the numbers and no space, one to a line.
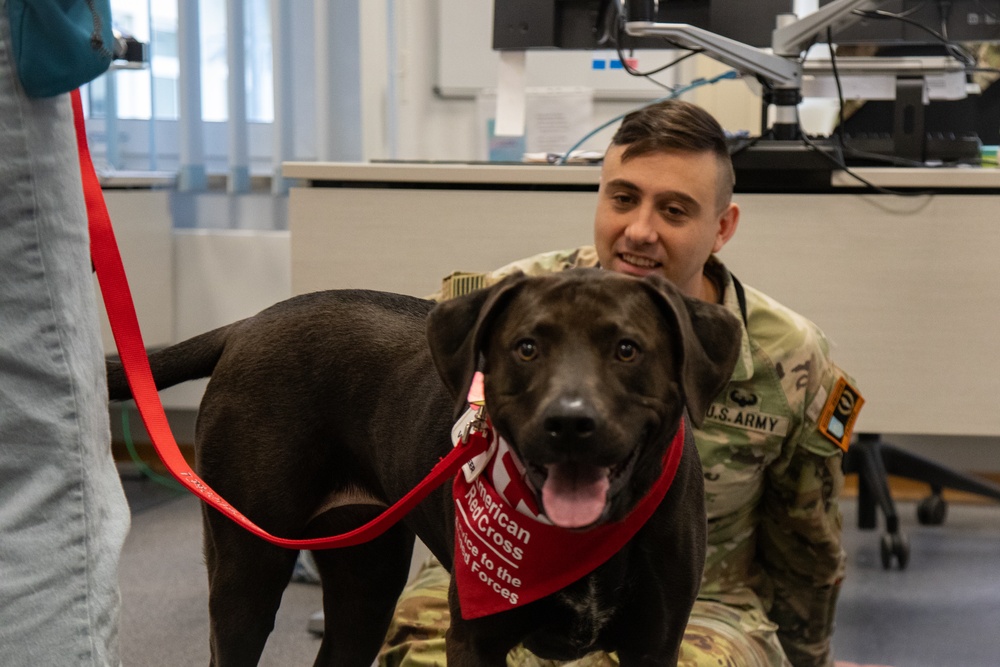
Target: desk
(905,287)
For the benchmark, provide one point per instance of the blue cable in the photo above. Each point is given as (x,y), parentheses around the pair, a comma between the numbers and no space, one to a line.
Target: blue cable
(731,74)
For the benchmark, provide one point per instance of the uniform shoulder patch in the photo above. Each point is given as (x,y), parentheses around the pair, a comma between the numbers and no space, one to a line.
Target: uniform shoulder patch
(836,422)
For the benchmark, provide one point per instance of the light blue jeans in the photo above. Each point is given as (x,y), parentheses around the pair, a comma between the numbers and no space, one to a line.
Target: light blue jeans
(63,515)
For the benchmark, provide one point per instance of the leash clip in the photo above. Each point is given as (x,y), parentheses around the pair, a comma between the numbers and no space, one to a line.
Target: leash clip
(474,419)
(470,421)
(474,423)
(478,423)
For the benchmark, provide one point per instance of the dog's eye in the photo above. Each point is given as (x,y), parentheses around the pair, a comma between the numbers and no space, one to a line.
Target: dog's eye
(526,349)
(626,351)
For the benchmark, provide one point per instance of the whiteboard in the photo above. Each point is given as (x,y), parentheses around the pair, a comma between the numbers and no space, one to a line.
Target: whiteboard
(467,62)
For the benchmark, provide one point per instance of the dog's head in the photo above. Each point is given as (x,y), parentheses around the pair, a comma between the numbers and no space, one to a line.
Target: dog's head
(587,374)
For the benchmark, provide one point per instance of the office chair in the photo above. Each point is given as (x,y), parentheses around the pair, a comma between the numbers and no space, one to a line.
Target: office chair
(874,460)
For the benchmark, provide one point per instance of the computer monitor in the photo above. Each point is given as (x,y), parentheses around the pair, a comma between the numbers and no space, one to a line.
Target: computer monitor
(585,24)
(958,20)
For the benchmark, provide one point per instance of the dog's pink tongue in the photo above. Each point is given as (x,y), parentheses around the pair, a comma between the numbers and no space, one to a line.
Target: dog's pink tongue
(574,496)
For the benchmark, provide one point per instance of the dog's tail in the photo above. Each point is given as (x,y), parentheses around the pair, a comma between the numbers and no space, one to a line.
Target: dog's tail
(189,360)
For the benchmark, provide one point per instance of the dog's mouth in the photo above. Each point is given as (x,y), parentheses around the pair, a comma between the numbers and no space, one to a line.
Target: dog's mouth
(577,495)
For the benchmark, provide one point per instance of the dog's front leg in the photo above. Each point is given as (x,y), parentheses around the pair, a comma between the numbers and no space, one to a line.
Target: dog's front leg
(628,658)
(479,643)
(463,651)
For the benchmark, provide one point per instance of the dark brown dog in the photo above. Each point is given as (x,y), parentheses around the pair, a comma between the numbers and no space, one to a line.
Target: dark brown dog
(325,407)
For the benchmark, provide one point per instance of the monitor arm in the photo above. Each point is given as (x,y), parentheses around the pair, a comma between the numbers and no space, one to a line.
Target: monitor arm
(780,68)
(779,71)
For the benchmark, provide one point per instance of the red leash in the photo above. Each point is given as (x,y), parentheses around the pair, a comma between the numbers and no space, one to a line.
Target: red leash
(125,327)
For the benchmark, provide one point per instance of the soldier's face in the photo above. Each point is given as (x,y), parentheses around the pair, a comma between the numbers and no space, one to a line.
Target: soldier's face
(659,213)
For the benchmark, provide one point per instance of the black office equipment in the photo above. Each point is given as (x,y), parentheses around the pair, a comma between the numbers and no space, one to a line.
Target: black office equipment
(874,149)
(955,20)
(940,131)
(583,24)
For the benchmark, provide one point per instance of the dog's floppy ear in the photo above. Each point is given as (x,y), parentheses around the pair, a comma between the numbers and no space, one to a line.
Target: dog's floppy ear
(709,345)
(455,331)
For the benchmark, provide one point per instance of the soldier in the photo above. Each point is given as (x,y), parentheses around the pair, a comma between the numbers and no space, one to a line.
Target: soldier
(771,444)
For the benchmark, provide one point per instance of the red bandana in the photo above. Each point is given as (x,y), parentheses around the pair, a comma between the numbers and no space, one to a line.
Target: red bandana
(507,554)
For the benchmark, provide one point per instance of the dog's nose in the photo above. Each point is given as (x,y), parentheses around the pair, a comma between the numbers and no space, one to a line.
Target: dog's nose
(561,426)
(569,419)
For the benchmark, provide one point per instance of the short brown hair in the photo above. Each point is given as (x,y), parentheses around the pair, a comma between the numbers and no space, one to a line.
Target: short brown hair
(674,125)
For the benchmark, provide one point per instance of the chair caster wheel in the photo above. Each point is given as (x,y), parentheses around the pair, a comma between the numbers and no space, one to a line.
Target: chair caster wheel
(895,545)
(932,510)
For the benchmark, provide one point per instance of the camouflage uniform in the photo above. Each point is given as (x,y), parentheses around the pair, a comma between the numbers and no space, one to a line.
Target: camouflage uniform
(987,57)
(774,562)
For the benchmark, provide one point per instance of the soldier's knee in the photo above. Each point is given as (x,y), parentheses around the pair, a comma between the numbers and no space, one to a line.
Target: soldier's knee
(420,621)
(721,635)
